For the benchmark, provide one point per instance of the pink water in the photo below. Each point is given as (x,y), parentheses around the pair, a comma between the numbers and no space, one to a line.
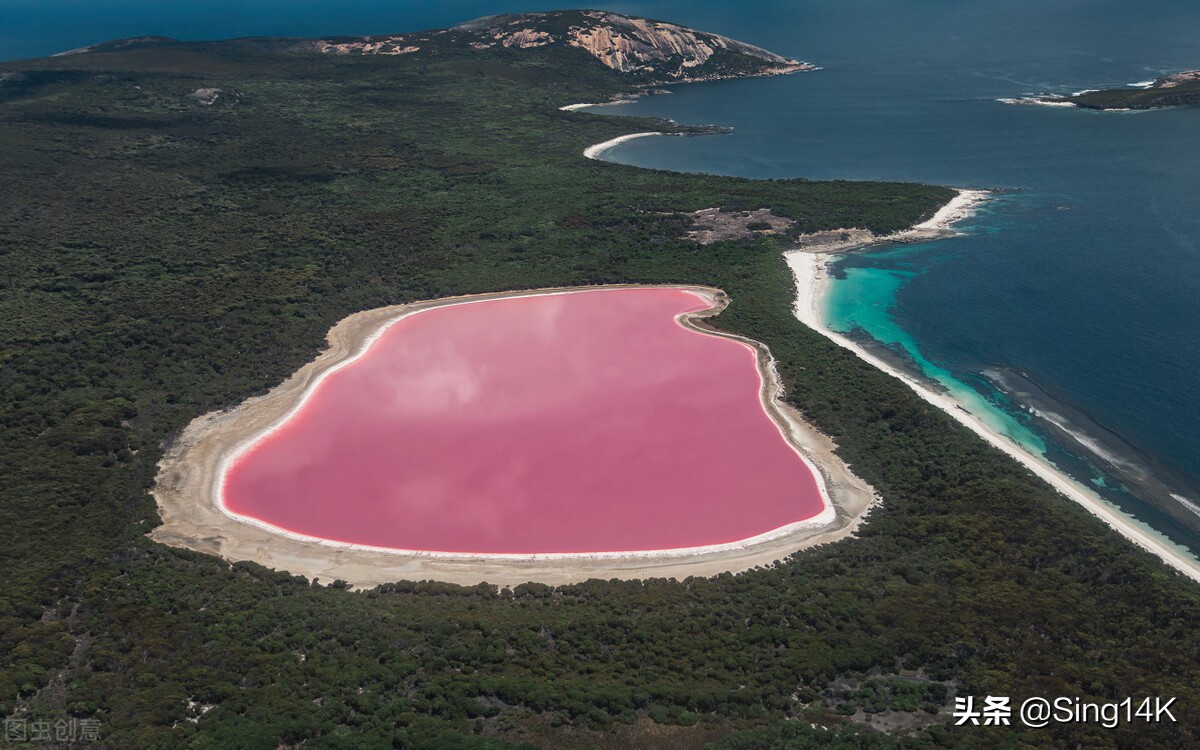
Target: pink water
(565,423)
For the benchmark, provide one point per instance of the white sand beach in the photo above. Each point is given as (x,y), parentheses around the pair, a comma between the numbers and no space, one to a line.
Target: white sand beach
(585,105)
(594,152)
(810,267)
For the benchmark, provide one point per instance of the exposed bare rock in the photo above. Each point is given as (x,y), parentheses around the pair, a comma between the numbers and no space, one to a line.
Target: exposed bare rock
(639,47)
(207,96)
(392,45)
(836,240)
(711,225)
(525,38)
(631,45)
(627,44)
(1178,79)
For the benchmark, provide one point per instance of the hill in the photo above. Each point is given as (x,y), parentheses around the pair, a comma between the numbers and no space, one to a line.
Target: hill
(652,51)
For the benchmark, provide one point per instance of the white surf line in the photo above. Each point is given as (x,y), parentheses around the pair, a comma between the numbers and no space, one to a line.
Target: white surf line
(1038,101)
(811,272)
(594,152)
(826,517)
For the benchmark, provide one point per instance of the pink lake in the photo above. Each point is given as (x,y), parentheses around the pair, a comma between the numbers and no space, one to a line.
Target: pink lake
(578,422)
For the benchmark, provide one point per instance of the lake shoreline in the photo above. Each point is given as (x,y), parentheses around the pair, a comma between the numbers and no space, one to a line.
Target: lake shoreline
(188,488)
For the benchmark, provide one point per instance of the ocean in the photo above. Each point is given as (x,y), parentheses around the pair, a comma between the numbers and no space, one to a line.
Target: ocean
(1068,306)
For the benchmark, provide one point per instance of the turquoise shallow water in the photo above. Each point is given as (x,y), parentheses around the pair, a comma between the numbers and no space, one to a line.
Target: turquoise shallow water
(865,300)
(1068,308)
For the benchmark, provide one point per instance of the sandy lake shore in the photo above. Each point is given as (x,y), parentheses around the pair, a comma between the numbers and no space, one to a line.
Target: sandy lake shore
(187,488)
(810,266)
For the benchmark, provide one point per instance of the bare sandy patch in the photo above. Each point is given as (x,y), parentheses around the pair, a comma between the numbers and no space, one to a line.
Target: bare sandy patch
(711,225)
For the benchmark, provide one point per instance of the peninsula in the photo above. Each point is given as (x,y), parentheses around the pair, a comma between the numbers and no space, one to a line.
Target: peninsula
(1176,90)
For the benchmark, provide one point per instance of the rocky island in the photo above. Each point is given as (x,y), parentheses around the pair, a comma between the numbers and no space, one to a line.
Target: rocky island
(1175,90)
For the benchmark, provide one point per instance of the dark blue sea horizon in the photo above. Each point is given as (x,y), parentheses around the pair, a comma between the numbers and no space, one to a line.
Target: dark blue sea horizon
(1071,300)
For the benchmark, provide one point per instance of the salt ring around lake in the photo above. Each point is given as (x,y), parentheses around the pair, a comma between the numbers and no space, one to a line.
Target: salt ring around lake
(552,435)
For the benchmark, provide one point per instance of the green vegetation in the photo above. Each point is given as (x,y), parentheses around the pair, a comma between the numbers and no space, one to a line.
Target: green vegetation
(1185,94)
(160,258)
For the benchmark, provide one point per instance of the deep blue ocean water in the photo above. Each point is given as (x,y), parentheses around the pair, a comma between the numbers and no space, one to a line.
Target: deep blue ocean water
(1074,296)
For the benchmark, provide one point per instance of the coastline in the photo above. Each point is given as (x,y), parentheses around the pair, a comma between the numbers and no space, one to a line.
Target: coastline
(585,105)
(836,241)
(594,151)
(809,263)
(191,472)
(1038,101)
(644,89)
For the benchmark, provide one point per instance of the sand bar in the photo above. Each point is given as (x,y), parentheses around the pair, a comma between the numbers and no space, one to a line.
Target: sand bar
(810,267)
(190,471)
